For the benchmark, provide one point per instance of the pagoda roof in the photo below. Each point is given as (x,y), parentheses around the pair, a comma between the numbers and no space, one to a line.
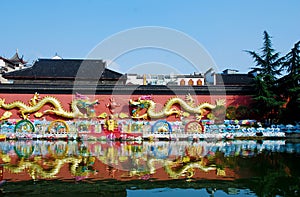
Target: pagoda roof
(16,59)
(65,69)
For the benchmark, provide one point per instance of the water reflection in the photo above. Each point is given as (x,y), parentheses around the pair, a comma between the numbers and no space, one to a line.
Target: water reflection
(261,167)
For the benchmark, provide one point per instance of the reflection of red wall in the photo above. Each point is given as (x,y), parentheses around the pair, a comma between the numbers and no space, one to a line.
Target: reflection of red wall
(105,172)
(123,100)
(1,173)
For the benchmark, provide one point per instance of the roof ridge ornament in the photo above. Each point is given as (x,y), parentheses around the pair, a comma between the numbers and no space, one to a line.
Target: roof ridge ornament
(56,57)
(16,58)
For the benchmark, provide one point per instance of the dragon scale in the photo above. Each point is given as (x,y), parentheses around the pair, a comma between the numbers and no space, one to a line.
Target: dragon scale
(36,106)
(168,110)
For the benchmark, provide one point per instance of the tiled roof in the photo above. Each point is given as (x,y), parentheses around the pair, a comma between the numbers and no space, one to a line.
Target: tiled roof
(65,69)
(16,59)
(8,63)
(233,79)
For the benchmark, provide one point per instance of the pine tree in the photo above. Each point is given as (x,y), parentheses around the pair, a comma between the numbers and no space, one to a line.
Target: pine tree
(268,62)
(289,84)
(267,102)
(292,66)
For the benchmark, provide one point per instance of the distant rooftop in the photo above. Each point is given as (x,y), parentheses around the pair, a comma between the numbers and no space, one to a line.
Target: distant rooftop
(233,79)
(65,69)
(56,57)
(15,59)
(230,71)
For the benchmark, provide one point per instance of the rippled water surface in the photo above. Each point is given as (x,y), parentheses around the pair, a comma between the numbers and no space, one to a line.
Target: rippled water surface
(100,168)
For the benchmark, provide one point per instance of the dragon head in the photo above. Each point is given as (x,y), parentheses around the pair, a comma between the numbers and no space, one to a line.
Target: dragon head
(144,103)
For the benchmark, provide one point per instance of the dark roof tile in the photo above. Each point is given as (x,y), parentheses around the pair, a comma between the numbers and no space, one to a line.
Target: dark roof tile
(233,79)
(65,69)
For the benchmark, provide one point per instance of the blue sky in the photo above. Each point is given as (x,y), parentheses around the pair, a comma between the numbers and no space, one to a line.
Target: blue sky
(39,29)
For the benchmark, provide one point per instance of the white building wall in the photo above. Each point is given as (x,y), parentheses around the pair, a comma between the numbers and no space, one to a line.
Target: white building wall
(161,80)
(2,63)
(134,79)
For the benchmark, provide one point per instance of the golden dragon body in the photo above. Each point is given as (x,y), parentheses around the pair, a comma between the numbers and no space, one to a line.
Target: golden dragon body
(36,104)
(168,108)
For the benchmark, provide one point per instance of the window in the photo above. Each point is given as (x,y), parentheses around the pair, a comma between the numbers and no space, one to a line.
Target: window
(191,82)
(182,82)
(199,82)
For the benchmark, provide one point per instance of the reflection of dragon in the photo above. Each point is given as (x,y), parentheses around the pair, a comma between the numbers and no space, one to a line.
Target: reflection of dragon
(36,170)
(176,169)
(36,104)
(48,169)
(187,169)
(168,109)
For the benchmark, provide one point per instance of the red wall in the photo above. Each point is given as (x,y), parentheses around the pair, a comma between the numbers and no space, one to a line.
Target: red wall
(123,100)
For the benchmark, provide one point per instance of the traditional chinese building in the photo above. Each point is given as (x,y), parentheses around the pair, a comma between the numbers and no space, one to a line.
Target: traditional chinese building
(12,64)
(61,79)
(228,77)
(65,72)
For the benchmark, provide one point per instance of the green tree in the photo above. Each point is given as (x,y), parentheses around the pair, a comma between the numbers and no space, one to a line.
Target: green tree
(267,102)
(289,85)
(292,63)
(268,62)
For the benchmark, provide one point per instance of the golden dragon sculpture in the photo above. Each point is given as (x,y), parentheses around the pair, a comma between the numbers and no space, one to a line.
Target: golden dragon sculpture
(168,109)
(35,104)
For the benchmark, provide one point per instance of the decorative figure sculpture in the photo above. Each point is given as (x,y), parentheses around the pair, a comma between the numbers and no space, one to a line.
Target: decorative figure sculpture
(111,124)
(112,105)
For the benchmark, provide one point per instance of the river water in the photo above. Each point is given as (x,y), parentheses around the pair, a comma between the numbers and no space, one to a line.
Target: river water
(161,168)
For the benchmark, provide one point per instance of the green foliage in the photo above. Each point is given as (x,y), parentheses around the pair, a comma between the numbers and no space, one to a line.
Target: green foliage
(289,85)
(242,112)
(231,112)
(268,62)
(276,97)
(266,103)
(292,64)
